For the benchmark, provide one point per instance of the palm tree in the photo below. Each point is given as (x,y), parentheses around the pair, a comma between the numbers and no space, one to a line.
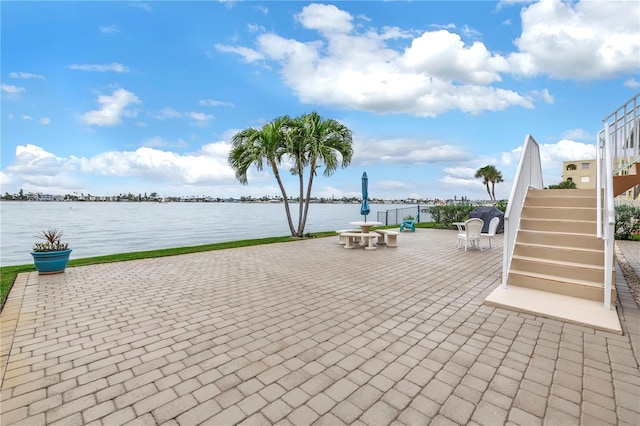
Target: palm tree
(267,146)
(308,141)
(490,174)
(315,141)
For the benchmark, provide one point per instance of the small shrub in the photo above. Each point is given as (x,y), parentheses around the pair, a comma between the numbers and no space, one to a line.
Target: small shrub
(502,205)
(627,222)
(444,216)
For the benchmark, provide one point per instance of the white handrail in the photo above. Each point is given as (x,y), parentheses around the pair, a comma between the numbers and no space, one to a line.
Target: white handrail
(618,148)
(600,142)
(609,217)
(528,175)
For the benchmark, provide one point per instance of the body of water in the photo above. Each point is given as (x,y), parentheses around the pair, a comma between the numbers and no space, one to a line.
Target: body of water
(97,228)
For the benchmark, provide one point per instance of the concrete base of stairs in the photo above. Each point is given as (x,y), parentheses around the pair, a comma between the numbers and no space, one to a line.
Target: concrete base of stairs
(556,306)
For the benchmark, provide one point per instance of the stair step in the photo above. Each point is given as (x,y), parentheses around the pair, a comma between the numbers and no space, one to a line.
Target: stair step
(574,310)
(560,269)
(560,225)
(560,239)
(549,212)
(563,193)
(557,262)
(568,286)
(575,201)
(570,254)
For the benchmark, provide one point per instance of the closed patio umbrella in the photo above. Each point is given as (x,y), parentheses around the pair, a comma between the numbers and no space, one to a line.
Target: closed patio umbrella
(364,208)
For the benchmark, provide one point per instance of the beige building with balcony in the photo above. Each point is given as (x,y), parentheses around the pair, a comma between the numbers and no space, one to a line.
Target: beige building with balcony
(581,172)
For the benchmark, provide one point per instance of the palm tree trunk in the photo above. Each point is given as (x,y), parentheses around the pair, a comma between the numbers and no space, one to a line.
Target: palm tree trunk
(489,191)
(307,201)
(300,201)
(274,167)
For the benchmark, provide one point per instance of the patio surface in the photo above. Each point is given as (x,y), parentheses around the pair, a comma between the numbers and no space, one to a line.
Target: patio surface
(308,333)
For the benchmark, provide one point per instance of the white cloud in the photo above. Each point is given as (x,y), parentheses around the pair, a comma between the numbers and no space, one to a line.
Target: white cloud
(45,121)
(249,55)
(140,5)
(355,67)
(166,113)
(199,117)
(404,151)
(546,97)
(254,28)
(212,102)
(27,117)
(158,142)
(577,134)
(632,83)
(449,181)
(112,108)
(460,172)
(114,67)
(12,92)
(229,4)
(552,156)
(26,76)
(262,9)
(444,55)
(32,160)
(566,150)
(327,19)
(37,169)
(437,72)
(580,40)
(200,168)
(110,29)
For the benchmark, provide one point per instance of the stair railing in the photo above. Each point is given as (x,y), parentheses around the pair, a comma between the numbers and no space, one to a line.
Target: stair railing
(606,218)
(624,135)
(618,148)
(528,175)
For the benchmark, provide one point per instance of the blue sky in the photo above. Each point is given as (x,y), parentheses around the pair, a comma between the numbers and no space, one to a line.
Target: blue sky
(105,98)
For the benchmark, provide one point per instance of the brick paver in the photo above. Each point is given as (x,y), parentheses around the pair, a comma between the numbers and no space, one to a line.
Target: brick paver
(307,333)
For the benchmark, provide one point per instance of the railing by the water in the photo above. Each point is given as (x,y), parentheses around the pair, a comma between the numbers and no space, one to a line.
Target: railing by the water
(395,216)
(528,175)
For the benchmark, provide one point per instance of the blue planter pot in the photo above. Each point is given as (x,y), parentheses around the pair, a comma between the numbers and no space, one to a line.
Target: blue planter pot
(51,262)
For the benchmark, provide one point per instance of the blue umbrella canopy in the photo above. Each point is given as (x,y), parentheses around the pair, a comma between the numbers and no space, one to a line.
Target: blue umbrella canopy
(364,208)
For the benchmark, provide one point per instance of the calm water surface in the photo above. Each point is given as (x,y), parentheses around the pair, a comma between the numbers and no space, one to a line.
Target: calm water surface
(95,229)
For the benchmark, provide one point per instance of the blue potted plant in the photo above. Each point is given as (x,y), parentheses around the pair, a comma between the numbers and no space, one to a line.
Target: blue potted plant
(52,255)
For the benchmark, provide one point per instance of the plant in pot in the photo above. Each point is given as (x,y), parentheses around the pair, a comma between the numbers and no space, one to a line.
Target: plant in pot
(51,256)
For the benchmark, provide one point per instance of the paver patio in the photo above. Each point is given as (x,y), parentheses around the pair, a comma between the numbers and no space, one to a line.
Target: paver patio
(307,333)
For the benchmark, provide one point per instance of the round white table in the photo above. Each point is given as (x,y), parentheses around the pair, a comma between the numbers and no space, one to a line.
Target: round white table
(365,226)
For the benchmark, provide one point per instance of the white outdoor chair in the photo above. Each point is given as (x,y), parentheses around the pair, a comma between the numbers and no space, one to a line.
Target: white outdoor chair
(491,232)
(471,233)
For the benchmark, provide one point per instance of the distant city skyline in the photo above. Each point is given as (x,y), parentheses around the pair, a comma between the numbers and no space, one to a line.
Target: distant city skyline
(118,97)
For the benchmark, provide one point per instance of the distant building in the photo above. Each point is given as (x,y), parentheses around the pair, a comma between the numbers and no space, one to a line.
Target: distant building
(582,173)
